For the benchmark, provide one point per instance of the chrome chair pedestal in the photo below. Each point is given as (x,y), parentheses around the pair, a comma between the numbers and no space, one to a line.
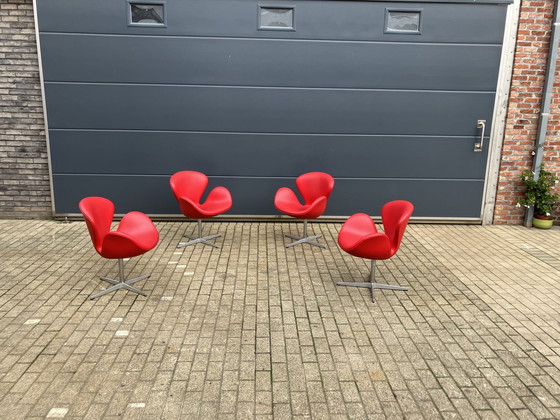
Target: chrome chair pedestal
(304,239)
(199,239)
(121,284)
(372,284)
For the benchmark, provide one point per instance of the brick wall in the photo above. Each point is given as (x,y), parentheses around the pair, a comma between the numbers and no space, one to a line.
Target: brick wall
(24,176)
(523,111)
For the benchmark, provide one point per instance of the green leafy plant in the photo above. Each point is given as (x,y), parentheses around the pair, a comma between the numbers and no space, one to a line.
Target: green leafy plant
(539,193)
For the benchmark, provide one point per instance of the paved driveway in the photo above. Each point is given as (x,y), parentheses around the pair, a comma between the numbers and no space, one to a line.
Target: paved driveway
(255,330)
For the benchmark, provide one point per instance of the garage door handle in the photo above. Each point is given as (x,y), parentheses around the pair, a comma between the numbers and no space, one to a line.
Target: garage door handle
(478,146)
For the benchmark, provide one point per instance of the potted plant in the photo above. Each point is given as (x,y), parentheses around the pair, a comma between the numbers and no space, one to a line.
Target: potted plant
(539,194)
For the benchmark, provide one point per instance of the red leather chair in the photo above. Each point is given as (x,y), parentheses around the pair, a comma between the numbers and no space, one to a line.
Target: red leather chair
(135,235)
(315,188)
(359,237)
(188,187)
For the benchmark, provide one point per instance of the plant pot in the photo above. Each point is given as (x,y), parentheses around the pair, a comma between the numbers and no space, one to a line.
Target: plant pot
(542,222)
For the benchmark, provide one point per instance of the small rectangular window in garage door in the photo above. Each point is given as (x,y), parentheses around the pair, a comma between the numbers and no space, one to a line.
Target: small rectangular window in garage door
(276,18)
(403,21)
(147,13)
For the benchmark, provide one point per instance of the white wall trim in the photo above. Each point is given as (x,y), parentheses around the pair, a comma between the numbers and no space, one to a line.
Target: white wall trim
(500,112)
(46,122)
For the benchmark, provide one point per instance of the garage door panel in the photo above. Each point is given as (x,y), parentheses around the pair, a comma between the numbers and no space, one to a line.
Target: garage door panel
(431,198)
(390,115)
(266,110)
(158,153)
(443,199)
(264,62)
(340,20)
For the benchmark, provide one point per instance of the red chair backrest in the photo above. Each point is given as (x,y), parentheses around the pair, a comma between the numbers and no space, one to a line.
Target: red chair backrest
(395,216)
(313,185)
(188,184)
(98,213)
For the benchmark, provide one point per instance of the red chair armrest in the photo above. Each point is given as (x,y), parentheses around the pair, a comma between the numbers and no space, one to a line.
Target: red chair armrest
(316,208)
(286,200)
(218,201)
(140,229)
(359,237)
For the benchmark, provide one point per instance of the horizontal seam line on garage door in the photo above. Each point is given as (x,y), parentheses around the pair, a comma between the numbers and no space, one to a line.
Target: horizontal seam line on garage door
(266,133)
(273,87)
(240,38)
(339,178)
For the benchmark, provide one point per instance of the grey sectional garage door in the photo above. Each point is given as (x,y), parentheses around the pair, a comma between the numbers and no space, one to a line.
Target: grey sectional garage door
(384,96)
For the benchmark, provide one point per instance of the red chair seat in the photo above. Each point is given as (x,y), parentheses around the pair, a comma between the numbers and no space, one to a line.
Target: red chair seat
(218,202)
(287,202)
